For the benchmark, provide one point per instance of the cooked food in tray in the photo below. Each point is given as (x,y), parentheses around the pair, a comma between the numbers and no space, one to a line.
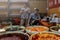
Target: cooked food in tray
(45,36)
(37,29)
(14,36)
(14,28)
(44,23)
(55,29)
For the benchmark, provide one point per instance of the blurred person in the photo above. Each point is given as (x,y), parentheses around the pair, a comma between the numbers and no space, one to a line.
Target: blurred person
(54,19)
(24,17)
(52,15)
(48,18)
(44,18)
(45,21)
(34,17)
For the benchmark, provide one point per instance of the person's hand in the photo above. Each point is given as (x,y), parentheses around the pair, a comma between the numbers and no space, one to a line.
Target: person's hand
(33,21)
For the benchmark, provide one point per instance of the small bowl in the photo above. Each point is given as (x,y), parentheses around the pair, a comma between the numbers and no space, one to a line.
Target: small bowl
(55,31)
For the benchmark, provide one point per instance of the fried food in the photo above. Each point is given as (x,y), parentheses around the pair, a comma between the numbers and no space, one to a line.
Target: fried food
(46,36)
(36,29)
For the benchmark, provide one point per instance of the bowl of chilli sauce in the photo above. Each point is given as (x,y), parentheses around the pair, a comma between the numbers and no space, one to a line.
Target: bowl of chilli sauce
(14,36)
(45,36)
(36,29)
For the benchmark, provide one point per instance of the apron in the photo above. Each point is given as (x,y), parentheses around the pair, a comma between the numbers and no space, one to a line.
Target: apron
(34,17)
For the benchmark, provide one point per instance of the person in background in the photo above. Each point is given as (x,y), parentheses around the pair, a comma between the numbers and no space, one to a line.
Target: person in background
(44,18)
(24,17)
(29,18)
(48,18)
(34,17)
(52,15)
(54,19)
(27,14)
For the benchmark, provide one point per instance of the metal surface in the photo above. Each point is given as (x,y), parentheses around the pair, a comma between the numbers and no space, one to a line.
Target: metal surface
(9,11)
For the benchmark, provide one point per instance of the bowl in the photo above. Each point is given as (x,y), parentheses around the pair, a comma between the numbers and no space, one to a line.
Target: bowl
(45,36)
(36,29)
(14,36)
(14,28)
(55,29)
